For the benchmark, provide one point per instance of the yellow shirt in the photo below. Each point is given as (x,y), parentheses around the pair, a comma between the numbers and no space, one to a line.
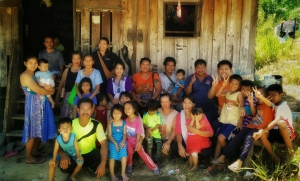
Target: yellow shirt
(151,121)
(230,113)
(87,144)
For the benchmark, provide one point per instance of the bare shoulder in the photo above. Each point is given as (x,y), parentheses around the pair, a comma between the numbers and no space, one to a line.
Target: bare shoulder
(24,78)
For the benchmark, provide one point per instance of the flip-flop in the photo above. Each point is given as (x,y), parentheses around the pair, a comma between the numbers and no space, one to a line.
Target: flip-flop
(114,179)
(10,154)
(37,161)
(125,178)
(217,162)
(234,168)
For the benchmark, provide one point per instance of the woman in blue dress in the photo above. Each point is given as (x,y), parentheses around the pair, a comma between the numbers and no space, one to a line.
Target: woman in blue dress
(39,120)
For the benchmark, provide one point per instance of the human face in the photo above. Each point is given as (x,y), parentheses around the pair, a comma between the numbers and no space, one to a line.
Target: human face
(119,70)
(200,69)
(65,129)
(246,90)
(86,87)
(56,41)
(43,67)
(76,59)
(31,64)
(103,46)
(145,66)
(276,97)
(117,115)
(169,67)
(124,99)
(234,85)
(188,105)
(104,102)
(85,110)
(165,102)
(88,62)
(179,76)
(48,43)
(128,109)
(224,71)
(151,112)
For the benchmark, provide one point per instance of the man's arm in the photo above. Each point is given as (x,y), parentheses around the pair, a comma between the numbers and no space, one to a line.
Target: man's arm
(103,152)
(189,88)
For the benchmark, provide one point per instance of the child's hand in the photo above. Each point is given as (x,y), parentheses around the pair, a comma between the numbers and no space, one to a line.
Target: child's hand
(257,93)
(122,145)
(215,80)
(257,135)
(225,81)
(193,79)
(138,146)
(198,117)
(249,97)
(79,159)
(150,130)
(117,147)
(52,163)
(242,111)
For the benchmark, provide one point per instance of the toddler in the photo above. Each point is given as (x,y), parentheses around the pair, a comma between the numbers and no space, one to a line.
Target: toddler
(249,101)
(68,143)
(44,77)
(101,110)
(179,86)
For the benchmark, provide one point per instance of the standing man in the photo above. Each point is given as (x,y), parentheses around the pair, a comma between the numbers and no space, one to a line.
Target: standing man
(87,131)
(198,85)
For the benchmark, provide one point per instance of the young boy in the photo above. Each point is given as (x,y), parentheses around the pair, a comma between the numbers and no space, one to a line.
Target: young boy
(55,58)
(152,121)
(281,128)
(265,114)
(44,77)
(67,142)
(179,86)
(250,106)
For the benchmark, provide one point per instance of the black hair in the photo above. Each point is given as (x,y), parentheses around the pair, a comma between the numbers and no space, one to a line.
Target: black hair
(76,53)
(236,77)
(180,71)
(145,59)
(169,59)
(165,95)
(189,97)
(126,94)
(85,79)
(64,120)
(225,62)
(152,105)
(48,37)
(197,111)
(276,88)
(134,106)
(42,60)
(100,97)
(85,100)
(118,107)
(119,63)
(247,83)
(200,62)
(30,57)
(87,55)
(264,89)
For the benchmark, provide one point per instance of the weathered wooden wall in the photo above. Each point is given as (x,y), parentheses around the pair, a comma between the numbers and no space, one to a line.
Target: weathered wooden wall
(227,30)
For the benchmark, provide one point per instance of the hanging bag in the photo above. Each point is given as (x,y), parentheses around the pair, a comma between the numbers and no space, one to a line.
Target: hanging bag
(107,73)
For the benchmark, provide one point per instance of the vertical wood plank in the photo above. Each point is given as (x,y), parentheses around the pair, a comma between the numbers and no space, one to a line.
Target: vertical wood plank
(105,28)
(230,30)
(192,55)
(160,31)
(95,29)
(85,31)
(77,29)
(181,53)
(141,29)
(117,29)
(253,26)
(237,18)
(219,32)
(134,32)
(153,31)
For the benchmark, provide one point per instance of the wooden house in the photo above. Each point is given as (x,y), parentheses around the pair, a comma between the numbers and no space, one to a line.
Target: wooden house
(209,29)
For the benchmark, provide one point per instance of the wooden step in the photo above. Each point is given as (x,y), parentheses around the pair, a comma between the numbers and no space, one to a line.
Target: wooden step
(22,100)
(21,117)
(15,133)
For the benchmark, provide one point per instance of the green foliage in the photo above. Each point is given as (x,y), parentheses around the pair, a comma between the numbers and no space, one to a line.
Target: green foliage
(280,9)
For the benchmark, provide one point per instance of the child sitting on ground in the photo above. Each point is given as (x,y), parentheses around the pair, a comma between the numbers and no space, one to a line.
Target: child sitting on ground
(177,92)
(281,128)
(250,107)
(68,143)
(117,141)
(44,77)
(152,121)
(195,143)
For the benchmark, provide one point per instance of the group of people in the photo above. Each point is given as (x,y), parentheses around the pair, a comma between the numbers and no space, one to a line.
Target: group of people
(104,113)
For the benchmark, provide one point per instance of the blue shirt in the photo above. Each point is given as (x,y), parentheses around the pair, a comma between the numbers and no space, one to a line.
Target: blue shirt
(54,58)
(85,95)
(200,91)
(95,78)
(176,87)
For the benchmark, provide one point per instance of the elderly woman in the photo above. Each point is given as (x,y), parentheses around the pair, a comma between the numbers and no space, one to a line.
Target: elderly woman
(146,84)
(183,129)
(39,120)
(169,119)
(67,82)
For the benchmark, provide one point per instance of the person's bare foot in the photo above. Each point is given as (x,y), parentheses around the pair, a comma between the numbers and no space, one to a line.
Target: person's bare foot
(192,169)
(73,178)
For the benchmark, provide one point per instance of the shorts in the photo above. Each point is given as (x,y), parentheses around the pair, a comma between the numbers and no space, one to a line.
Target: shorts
(226,130)
(275,136)
(56,72)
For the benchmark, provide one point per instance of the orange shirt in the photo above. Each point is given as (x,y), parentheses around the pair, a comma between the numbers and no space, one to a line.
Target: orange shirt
(142,86)
(221,100)
(264,115)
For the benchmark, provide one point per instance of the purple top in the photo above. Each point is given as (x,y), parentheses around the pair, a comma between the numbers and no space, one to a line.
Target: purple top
(115,89)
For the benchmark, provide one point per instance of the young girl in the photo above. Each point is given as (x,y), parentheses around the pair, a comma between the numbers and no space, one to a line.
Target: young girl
(117,141)
(68,142)
(101,110)
(134,139)
(85,88)
(232,112)
(195,143)
(91,73)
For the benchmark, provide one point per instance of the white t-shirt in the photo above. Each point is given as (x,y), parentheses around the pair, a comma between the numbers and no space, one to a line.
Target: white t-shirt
(284,111)
(166,83)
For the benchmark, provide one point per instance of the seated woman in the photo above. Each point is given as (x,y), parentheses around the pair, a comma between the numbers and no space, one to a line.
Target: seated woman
(146,84)
(183,128)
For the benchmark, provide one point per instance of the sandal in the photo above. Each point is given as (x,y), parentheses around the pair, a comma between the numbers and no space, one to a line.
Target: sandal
(114,179)
(217,162)
(234,168)
(125,178)
(37,161)
(10,154)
